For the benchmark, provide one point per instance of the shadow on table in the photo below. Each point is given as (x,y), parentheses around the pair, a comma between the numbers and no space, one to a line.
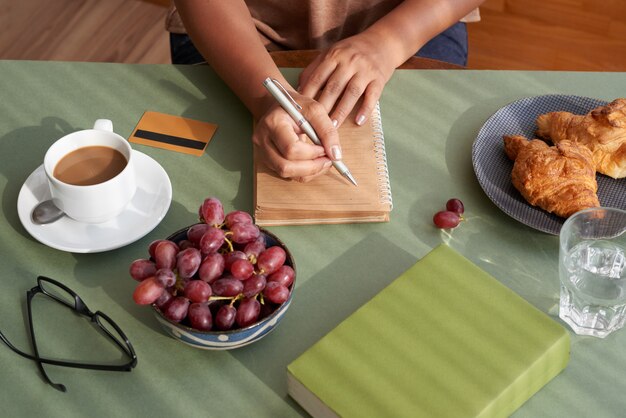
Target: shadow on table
(488,237)
(21,152)
(323,302)
(539,285)
(231,146)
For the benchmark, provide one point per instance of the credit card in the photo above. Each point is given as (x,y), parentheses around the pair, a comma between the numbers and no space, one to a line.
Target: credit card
(174,133)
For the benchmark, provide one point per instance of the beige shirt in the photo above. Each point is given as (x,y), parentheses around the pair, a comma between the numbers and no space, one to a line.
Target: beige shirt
(312,24)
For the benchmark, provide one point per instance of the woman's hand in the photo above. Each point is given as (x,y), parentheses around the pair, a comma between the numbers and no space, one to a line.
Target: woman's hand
(287,150)
(352,68)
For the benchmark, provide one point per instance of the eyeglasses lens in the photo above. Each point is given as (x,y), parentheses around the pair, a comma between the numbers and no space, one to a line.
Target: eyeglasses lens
(58,293)
(107,326)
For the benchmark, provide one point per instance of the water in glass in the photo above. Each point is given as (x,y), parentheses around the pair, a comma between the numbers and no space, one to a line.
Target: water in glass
(593,288)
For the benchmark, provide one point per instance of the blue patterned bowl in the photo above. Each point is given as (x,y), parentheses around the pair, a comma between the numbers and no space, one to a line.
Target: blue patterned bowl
(234,338)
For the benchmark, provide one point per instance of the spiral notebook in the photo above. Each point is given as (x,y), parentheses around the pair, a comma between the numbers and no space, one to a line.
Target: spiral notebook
(330,198)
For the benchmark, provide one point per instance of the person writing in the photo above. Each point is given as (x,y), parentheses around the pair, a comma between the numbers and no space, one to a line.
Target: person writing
(361,44)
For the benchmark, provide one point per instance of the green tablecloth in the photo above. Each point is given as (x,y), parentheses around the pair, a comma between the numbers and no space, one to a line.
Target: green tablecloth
(430,120)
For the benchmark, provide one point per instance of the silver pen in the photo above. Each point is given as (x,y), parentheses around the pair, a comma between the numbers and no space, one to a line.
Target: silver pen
(289,104)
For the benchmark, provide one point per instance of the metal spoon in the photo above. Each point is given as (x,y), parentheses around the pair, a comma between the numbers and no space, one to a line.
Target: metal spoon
(46,212)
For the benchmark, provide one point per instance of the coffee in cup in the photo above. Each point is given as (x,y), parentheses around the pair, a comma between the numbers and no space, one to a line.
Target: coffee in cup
(91,174)
(90,165)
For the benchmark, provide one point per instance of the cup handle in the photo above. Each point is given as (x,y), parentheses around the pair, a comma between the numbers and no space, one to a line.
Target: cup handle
(103,125)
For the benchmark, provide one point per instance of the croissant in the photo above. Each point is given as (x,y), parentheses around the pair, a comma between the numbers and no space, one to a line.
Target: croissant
(560,179)
(602,130)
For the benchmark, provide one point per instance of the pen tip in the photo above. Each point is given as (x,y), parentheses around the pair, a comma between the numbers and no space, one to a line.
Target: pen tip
(352,180)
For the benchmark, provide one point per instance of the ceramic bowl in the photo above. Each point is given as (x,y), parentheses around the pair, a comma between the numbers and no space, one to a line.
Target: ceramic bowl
(234,338)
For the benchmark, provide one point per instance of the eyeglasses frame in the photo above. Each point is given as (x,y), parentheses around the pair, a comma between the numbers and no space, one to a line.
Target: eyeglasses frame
(81,308)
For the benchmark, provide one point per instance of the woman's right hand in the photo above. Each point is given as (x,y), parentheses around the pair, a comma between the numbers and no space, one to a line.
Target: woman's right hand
(287,150)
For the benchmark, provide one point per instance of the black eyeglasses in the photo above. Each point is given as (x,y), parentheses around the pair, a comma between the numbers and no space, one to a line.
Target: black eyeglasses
(64,295)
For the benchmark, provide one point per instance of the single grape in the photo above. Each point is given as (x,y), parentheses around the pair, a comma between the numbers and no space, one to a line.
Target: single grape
(187,262)
(141,269)
(200,316)
(225,317)
(446,219)
(212,240)
(247,312)
(165,254)
(177,309)
(198,291)
(253,249)
(254,285)
(147,291)
(227,286)
(184,244)
(237,216)
(195,232)
(232,256)
(242,269)
(284,275)
(455,205)
(244,233)
(211,267)
(166,276)
(261,239)
(211,211)
(163,300)
(152,247)
(271,259)
(275,292)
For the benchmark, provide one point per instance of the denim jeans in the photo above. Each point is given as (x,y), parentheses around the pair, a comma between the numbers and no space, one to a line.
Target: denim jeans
(449,46)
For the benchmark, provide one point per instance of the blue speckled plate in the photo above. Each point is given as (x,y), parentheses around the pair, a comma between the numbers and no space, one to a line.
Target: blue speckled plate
(493,168)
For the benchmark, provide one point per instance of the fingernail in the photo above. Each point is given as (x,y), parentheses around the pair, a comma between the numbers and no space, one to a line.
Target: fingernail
(360,120)
(327,164)
(335,123)
(336,152)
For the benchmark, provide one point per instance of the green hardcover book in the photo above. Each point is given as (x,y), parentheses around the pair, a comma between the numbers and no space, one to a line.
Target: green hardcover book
(445,339)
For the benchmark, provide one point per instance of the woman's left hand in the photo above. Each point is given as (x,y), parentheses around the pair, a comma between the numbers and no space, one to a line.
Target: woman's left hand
(352,68)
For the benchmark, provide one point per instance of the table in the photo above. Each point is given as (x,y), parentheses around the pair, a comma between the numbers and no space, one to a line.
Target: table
(430,119)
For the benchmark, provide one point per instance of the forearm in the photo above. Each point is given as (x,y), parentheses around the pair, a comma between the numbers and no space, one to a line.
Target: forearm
(225,35)
(413,23)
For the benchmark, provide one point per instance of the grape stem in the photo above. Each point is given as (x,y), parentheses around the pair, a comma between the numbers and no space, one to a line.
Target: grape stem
(232,299)
(221,297)
(179,286)
(230,244)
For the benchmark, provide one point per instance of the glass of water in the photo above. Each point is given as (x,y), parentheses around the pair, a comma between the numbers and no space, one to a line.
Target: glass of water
(592,271)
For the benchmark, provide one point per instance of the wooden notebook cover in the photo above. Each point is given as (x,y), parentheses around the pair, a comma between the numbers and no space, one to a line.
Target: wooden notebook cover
(330,198)
(445,339)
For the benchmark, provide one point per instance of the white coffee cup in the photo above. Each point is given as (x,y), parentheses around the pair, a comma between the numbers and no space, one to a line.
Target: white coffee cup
(99,202)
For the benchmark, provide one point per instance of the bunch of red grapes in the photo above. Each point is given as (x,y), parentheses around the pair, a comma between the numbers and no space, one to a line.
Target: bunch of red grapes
(220,276)
(452,216)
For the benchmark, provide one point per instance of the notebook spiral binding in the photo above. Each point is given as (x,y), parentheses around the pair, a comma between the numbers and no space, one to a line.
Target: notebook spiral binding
(382,170)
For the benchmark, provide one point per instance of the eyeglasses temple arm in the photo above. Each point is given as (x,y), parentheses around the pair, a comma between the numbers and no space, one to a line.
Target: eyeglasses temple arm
(58,386)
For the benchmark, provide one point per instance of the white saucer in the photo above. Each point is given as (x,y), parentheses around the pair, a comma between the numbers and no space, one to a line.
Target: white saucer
(148,207)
